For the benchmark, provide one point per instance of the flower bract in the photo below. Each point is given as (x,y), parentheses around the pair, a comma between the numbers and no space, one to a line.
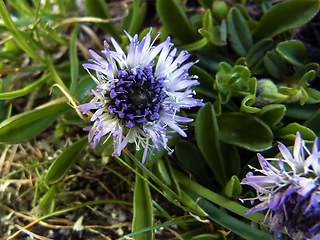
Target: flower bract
(139,94)
(289,189)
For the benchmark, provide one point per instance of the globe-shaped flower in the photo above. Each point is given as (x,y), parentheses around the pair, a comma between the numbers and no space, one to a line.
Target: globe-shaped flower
(290,190)
(139,94)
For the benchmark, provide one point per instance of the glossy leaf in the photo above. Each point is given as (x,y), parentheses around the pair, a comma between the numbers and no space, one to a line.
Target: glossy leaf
(207,21)
(272,114)
(239,32)
(294,110)
(142,208)
(313,95)
(246,104)
(307,78)
(207,139)
(293,51)
(289,132)
(195,45)
(62,164)
(286,16)
(26,125)
(176,21)
(251,134)
(233,187)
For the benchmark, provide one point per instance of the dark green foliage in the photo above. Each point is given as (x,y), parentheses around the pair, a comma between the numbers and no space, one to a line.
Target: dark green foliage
(258,81)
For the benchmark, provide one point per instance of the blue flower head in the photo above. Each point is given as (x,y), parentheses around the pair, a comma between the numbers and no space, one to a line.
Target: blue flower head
(139,94)
(289,190)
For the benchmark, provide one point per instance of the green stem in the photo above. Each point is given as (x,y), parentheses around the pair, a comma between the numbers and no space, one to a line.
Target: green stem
(54,74)
(85,204)
(216,198)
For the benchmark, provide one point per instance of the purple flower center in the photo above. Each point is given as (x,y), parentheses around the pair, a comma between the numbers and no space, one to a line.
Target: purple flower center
(137,96)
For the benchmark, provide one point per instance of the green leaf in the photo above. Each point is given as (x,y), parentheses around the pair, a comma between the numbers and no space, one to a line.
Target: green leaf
(205,89)
(239,32)
(207,139)
(294,110)
(211,59)
(142,208)
(293,51)
(230,152)
(313,123)
(266,6)
(220,216)
(207,21)
(205,79)
(234,81)
(289,132)
(190,158)
(246,104)
(245,131)
(275,65)
(26,125)
(235,225)
(176,21)
(205,3)
(155,155)
(286,16)
(74,62)
(47,202)
(307,78)
(83,85)
(163,170)
(99,8)
(313,95)
(23,7)
(17,35)
(219,34)
(257,52)
(136,17)
(272,114)
(233,187)
(24,91)
(228,204)
(211,30)
(195,45)
(62,164)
